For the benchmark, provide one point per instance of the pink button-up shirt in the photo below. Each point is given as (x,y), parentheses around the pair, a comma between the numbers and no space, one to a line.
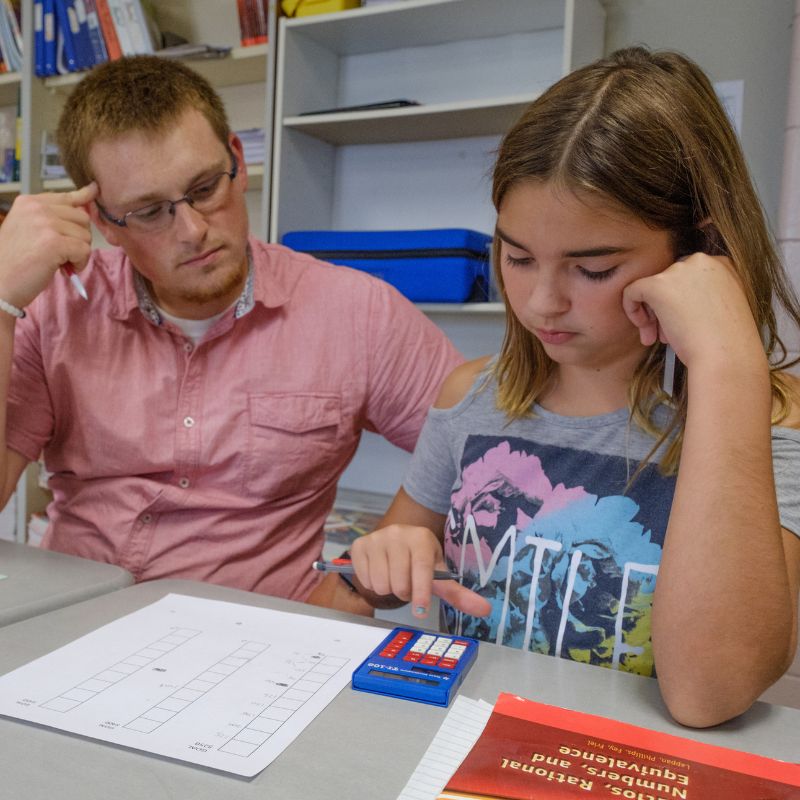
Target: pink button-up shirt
(217,462)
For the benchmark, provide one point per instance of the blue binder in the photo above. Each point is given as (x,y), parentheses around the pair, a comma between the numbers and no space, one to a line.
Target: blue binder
(71,53)
(49,37)
(38,38)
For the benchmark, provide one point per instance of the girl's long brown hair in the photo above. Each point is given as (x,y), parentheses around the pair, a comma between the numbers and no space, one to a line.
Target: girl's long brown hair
(646,131)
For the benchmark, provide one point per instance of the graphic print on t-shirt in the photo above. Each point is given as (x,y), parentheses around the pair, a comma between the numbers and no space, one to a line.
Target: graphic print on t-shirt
(566,556)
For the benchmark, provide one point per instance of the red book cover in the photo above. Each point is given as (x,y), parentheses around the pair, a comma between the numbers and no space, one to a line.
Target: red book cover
(108,29)
(260,9)
(245,23)
(529,750)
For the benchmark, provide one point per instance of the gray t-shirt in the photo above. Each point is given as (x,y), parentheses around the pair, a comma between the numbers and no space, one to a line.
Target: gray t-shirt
(542,522)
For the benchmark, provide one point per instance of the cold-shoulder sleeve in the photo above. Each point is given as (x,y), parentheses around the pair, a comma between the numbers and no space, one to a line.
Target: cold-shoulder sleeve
(786,467)
(432,471)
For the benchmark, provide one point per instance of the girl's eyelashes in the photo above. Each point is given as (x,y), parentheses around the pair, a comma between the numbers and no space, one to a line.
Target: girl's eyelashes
(523,261)
(592,275)
(602,275)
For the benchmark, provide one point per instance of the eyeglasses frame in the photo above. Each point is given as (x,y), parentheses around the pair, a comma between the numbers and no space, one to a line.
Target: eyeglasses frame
(122,221)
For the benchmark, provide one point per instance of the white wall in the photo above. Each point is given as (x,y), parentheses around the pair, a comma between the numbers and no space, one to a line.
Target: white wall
(730,39)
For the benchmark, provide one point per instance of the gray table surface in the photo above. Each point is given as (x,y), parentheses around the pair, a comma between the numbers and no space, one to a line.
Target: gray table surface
(361,746)
(38,581)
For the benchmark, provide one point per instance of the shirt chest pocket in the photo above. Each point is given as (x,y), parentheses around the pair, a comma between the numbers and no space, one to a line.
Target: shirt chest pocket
(294,442)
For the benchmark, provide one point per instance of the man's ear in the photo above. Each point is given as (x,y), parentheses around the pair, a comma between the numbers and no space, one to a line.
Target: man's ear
(237,148)
(109,230)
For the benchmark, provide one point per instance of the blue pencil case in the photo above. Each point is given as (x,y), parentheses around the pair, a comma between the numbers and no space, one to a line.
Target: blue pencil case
(443,265)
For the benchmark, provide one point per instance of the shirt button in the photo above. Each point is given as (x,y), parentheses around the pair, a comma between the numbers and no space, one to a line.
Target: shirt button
(188,347)
(146,518)
(188,422)
(183,483)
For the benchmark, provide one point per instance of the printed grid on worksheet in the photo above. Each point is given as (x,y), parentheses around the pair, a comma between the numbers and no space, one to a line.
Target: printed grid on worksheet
(313,670)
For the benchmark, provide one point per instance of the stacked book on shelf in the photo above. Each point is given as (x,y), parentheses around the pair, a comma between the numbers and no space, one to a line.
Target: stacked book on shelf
(10,36)
(252,21)
(74,35)
(253,145)
(52,169)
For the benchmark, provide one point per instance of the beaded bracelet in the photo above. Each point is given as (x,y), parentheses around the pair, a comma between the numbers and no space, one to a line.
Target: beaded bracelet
(13,310)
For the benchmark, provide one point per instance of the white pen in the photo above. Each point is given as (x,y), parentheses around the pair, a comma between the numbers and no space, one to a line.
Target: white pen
(69,271)
(669,371)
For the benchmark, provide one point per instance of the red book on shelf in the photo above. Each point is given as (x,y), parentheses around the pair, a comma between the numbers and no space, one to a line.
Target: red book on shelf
(529,750)
(108,29)
(260,11)
(245,23)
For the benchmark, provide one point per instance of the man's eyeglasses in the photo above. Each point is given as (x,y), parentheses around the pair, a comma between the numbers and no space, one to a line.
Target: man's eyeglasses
(205,197)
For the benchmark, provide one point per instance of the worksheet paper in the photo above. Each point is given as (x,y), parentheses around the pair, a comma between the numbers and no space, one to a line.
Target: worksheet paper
(461,728)
(223,685)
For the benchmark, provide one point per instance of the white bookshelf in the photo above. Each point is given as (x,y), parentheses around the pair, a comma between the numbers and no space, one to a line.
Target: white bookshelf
(472,66)
(446,120)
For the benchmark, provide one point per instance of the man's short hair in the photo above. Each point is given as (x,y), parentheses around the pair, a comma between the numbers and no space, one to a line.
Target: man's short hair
(137,93)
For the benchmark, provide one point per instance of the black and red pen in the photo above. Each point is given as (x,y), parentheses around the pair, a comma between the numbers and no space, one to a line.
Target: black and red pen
(345,566)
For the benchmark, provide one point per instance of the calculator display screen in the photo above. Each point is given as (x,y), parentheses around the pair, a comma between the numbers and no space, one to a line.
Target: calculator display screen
(397,677)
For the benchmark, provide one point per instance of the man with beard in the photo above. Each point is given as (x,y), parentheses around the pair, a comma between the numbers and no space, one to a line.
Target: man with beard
(197,412)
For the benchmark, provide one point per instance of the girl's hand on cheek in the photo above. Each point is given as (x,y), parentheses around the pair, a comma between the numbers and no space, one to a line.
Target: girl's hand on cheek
(696,305)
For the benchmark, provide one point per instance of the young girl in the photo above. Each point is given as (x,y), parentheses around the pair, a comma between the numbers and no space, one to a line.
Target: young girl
(593,505)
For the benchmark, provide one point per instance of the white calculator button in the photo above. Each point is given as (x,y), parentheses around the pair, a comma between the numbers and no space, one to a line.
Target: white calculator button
(422,644)
(440,645)
(455,651)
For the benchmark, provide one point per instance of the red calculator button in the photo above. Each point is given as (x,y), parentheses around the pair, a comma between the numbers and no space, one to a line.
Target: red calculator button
(412,657)
(429,660)
(459,642)
(448,662)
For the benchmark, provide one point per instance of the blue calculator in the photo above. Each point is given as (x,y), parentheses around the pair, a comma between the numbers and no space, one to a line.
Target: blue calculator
(415,665)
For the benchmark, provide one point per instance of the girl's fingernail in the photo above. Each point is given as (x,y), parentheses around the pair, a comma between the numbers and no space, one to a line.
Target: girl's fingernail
(420,611)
